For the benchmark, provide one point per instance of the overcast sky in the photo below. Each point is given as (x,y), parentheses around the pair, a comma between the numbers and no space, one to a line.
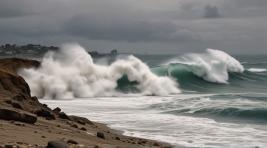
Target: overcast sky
(143,26)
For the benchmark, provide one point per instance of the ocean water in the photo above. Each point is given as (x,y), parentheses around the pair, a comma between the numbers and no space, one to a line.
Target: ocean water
(208,99)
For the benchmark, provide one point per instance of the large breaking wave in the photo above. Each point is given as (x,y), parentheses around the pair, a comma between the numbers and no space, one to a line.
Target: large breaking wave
(213,65)
(71,72)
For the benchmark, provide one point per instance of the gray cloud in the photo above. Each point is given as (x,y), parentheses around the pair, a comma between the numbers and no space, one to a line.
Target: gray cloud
(128,30)
(13,8)
(158,26)
(211,12)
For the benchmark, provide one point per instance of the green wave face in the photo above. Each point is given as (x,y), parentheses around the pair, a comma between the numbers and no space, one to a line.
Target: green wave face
(182,74)
(259,114)
(256,113)
(188,81)
(125,85)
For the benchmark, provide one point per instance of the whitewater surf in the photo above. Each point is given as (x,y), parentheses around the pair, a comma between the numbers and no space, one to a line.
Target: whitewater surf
(208,99)
(74,74)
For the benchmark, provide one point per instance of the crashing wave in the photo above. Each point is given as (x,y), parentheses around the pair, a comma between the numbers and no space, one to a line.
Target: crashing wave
(71,72)
(213,65)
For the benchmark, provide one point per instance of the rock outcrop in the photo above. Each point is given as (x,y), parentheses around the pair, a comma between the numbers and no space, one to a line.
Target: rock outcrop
(12,65)
(8,114)
(15,93)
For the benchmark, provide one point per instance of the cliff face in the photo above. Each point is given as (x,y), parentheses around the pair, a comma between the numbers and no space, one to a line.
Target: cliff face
(12,65)
(15,93)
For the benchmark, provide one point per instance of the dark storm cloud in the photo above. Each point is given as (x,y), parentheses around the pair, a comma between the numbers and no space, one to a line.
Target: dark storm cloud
(211,12)
(117,29)
(245,8)
(160,25)
(251,3)
(14,8)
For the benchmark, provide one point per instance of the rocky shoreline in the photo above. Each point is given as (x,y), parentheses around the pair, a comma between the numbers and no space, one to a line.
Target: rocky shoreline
(25,122)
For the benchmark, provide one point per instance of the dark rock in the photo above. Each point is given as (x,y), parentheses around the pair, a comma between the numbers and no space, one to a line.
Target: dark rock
(117,138)
(143,141)
(57,144)
(16,105)
(72,142)
(100,135)
(44,113)
(83,129)
(7,114)
(8,101)
(155,144)
(50,118)
(19,98)
(34,98)
(80,120)
(8,146)
(74,125)
(57,110)
(62,115)
(14,84)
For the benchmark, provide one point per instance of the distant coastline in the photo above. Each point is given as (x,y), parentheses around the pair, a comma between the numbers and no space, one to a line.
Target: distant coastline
(32,49)
(37,49)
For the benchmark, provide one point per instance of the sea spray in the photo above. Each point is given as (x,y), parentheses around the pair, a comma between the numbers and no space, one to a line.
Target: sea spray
(71,72)
(213,65)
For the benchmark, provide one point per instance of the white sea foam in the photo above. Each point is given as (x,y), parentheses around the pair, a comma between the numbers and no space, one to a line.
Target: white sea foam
(257,69)
(71,72)
(213,65)
(155,118)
